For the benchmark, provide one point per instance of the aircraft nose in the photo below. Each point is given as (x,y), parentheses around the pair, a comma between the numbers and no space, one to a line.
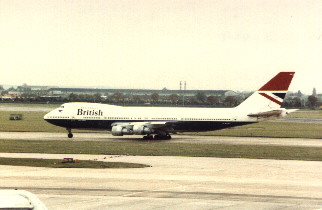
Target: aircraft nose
(47,116)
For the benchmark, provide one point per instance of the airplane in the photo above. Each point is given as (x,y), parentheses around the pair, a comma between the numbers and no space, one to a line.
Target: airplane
(160,122)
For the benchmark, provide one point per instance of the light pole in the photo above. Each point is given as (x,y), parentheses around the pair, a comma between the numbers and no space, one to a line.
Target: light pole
(182,90)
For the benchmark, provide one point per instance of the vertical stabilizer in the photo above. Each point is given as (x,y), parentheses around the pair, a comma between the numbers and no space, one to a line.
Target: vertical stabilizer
(270,96)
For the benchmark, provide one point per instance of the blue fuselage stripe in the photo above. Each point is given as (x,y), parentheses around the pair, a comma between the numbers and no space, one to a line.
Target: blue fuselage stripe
(177,125)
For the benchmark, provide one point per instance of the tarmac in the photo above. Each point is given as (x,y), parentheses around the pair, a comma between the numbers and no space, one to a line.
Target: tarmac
(171,183)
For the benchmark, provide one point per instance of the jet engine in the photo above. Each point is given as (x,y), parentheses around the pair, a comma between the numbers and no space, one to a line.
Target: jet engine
(130,129)
(142,130)
(121,130)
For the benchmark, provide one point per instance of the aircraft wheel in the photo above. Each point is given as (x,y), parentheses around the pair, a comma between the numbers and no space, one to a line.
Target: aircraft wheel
(149,137)
(70,134)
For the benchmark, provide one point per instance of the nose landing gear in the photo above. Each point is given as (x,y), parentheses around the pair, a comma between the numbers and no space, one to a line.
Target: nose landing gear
(70,134)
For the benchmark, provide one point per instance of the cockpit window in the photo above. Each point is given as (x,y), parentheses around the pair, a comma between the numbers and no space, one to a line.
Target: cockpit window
(61,107)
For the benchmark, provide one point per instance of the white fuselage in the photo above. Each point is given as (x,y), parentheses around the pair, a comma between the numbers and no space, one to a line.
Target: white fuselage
(88,111)
(80,113)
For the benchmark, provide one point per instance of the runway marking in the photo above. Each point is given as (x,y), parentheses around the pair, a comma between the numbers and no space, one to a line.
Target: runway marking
(160,190)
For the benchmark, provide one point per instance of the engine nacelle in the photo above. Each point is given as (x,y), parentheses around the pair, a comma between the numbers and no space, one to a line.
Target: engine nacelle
(121,130)
(142,130)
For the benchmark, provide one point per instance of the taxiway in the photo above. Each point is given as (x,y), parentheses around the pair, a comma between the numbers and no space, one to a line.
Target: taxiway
(191,139)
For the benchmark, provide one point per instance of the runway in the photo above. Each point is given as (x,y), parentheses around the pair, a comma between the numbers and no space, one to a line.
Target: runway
(190,139)
(172,183)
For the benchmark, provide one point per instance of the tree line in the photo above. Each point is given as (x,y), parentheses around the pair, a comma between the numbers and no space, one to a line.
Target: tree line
(131,99)
(199,99)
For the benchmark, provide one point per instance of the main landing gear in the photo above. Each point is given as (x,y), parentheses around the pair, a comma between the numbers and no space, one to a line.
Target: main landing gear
(70,134)
(157,137)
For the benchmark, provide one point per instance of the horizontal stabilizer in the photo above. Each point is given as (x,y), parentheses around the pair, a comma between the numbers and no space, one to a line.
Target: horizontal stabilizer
(288,111)
(274,113)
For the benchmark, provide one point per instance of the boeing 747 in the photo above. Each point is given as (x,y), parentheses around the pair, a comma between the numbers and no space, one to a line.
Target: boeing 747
(160,122)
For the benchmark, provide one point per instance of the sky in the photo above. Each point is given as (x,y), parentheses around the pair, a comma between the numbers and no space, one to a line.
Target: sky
(152,44)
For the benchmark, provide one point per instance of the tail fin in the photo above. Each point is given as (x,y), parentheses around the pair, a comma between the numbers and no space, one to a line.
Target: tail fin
(270,96)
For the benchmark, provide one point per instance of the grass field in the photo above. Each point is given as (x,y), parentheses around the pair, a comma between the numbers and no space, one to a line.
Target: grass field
(163,149)
(32,121)
(271,129)
(54,163)
(310,114)
(53,106)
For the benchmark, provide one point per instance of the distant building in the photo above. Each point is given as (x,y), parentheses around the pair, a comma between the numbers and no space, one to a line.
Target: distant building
(36,90)
(9,97)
